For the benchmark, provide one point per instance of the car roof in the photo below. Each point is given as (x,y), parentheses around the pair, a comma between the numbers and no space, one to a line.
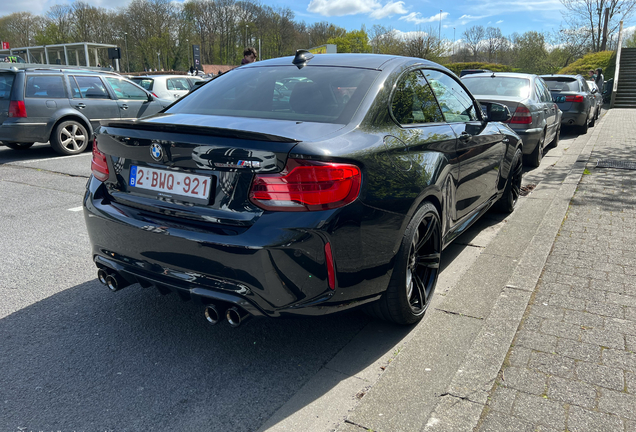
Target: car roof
(163,76)
(367,61)
(500,74)
(561,76)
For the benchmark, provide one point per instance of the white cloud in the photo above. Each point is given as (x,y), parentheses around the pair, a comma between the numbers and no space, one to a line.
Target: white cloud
(499,22)
(416,18)
(389,9)
(342,7)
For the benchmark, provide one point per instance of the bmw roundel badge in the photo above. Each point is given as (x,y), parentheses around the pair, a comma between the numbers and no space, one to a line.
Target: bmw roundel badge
(156,152)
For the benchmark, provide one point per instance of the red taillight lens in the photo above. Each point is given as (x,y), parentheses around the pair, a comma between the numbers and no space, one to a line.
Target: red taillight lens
(521,116)
(577,98)
(17,109)
(331,273)
(152,93)
(307,186)
(99,166)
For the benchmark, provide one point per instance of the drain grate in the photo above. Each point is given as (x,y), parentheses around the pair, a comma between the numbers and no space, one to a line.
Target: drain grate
(603,163)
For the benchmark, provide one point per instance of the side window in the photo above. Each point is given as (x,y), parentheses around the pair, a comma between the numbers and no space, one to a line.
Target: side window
(414,102)
(547,96)
(584,85)
(45,86)
(92,87)
(125,90)
(177,84)
(456,104)
(74,88)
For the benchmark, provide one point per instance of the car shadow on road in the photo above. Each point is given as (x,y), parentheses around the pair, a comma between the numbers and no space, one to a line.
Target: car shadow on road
(38,151)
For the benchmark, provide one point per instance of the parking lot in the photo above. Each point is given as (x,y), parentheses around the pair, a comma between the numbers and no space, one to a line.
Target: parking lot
(78,357)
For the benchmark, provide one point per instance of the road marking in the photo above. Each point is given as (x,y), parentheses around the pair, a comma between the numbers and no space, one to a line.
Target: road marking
(55,158)
(75,209)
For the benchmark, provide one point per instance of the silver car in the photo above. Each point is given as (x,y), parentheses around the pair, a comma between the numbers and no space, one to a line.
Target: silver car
(535,117)
(170,87)
(598,96)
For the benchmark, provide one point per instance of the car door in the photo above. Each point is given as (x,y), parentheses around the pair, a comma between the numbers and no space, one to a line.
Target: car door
(480,145)
(91,98)
(133,101)
(550,109)
(589,97)
(177,87)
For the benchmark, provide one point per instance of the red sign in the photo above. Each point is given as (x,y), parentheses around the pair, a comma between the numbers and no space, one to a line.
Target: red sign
(5,45)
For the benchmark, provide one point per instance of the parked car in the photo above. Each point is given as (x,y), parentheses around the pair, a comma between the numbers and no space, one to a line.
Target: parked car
(574,97)
(335,200)
(167,86)
(535,117)
(598,96)
(473,71)
(11,58)
(64,106)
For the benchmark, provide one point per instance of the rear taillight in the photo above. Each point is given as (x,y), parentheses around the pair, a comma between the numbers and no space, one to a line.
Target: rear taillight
(152,93)
(577,98)
(521,116)
(99,166)
(17,109)
(307,186)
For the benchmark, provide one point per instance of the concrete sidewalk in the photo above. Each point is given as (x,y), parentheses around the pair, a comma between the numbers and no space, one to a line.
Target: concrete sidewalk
(551,306)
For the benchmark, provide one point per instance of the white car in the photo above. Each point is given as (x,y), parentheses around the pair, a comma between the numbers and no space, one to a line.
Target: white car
(167,86)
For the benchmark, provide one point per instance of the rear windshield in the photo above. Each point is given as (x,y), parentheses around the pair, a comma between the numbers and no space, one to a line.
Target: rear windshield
(498,86)
(144,82)
(313,94)
(6,81)
(562,84)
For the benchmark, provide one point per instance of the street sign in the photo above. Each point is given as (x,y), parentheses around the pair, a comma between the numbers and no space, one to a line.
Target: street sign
(5,45)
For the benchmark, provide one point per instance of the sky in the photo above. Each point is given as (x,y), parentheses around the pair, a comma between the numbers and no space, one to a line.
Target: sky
(450,18)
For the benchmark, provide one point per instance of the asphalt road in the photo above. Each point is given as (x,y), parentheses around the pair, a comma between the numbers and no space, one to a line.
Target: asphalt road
(76,357)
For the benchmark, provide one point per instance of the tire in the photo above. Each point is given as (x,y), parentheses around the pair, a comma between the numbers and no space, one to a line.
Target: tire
(412,284)
(19,146)
(583,128)
(508,201)
(534,159)
(556,139)
(593,121)
(69,138)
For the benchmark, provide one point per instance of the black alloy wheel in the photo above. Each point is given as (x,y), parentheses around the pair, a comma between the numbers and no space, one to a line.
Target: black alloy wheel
(510,197)
(19,146)
(557,137)
(69,138)
(534,159)
(583,128)
(593,121)
(416,270)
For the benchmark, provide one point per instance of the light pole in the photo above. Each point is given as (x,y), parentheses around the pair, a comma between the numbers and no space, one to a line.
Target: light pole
(246,44)
(453,43)
(158,61)
(127,58)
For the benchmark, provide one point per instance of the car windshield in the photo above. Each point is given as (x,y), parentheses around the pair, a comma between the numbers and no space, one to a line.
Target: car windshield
(562,84)
(498,86)
(313,94)
(144,82)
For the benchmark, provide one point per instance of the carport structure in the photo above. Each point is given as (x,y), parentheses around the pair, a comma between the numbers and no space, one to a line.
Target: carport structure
(70,54)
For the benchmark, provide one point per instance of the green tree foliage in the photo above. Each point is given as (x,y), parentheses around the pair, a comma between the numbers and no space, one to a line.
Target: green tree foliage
(630,40)
(605,60)
(356,41)
(530,53)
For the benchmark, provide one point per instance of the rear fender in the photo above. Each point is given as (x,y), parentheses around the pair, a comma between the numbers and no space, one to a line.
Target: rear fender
(69,114)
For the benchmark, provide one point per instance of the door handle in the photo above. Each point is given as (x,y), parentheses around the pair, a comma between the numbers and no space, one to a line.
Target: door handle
(80,106)
(124,106)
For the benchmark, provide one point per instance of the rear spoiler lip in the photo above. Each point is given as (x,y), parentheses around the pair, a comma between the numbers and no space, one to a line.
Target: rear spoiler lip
(197,130)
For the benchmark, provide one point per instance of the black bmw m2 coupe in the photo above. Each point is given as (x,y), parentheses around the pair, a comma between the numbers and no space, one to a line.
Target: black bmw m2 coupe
(302,185)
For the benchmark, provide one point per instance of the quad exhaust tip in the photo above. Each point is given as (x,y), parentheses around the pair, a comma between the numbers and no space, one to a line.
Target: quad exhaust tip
(236,316)
(114,281)
(212,314)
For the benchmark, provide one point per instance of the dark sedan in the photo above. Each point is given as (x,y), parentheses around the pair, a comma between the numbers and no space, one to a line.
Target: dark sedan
(574,97)
(535,117)
(345,196)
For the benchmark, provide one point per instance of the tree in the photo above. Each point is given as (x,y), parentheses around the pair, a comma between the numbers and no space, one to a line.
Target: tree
(530,52)
(630,40)
(424,44)
(590,14)
(494,43)
(355,41)
(473,38)
(385,40)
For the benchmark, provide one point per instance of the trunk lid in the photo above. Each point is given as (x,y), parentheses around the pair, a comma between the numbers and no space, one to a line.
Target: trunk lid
(6,84)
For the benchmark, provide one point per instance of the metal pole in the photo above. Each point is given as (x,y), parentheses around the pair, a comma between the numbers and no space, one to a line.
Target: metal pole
(127,58)
(158,61)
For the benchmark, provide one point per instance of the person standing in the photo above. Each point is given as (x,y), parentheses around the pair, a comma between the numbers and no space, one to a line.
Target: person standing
(249,55)
(591,75)
(600,79)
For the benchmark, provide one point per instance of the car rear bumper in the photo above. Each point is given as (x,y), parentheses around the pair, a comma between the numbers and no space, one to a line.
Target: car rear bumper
(273,268)
(24,132)
(530,138)
(572,118)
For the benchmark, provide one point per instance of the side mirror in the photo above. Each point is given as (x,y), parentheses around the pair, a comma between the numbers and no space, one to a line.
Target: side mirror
(150,97)
(594,91)
(496,112)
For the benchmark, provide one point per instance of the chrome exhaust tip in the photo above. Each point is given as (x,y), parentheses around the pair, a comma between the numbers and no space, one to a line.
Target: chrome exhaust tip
(102,275)
(115,282)
(212,314)
(235,316)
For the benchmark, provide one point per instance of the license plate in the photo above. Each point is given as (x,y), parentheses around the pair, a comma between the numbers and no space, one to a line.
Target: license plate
(558,99)
(169,183)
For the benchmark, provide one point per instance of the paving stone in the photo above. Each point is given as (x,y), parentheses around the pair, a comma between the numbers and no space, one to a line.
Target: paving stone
(533,323)
(561,329)
(630,382)
(578,351)
(583,318)
(603,376)
(630,313)
(519,356)
(602,337)
(621,404)
(604,285)
(583,420)
(572,392)
(502,399)
(630,343)
(552,364)
(499,422)
(536,409)
(567,302)
(546,311)
(525,380)
(621,326)
(624,300)
(572,279)
(536,341)
(605,309)
(586,293)
(630,426)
